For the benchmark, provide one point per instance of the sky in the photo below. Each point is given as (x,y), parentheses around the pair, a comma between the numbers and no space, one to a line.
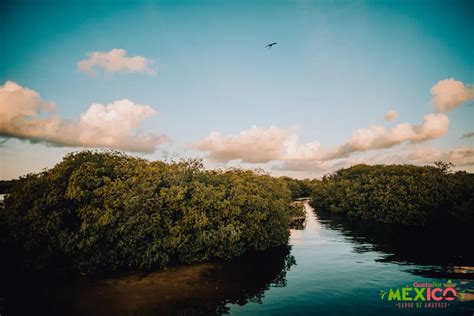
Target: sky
(348,82)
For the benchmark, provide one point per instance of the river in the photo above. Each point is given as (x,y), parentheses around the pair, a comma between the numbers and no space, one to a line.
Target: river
(330,268)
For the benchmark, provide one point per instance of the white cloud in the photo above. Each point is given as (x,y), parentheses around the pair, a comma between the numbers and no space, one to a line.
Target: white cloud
(391,115)
(461,156)
(261,145)
(283,150)
(448,94)
(25,115)
(19,112)
(293,149)
(376,137)
(114,61)
(256,145)
(458,155)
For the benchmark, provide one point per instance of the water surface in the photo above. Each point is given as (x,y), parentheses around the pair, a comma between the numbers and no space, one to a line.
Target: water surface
(342,266)
(332,267)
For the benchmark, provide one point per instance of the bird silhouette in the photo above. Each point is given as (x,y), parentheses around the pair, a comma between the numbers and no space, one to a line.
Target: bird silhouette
(270,45)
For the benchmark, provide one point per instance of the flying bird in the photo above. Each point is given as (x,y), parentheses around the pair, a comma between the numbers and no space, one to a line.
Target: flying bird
(270,45)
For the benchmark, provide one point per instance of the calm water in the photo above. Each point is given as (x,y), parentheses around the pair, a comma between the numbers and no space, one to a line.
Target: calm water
(331,268)
(340,270)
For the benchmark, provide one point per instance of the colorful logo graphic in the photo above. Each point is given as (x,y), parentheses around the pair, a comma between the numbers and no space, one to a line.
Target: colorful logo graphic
(423,295)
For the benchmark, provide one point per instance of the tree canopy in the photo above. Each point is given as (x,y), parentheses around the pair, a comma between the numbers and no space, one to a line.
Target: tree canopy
(99,212)
(403,194)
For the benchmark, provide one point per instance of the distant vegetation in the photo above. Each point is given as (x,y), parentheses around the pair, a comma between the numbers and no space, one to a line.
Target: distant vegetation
(6,185)
(401,194)
(101,212)
(299,188)
(297,214)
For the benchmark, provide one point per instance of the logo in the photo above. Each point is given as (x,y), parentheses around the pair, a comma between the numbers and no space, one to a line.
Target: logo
(423,295)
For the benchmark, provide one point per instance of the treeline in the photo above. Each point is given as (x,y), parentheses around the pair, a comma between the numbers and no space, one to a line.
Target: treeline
(300,188)
(403,194)
(102,212)
(6,185)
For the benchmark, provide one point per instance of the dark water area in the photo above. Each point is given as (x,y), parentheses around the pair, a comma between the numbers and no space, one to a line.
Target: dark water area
(441,251)
(332,267)
(202,289)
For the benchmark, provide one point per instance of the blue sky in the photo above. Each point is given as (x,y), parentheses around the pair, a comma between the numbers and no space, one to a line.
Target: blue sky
(338,66)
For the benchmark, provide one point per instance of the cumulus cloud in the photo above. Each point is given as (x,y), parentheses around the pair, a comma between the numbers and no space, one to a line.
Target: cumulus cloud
(458,155)
(256,145)
(377,137)
(391,115)
(448,94)
(293,149)
(24,115)
(114,61)
(461,156)
(261,145)
(286,152)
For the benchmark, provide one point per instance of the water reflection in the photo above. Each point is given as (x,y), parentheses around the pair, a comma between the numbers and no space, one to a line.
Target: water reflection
(342,266)
(200,289)
(437,252)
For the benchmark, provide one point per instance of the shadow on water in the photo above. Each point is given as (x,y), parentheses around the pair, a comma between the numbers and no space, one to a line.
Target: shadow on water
(199,289)
(323,250)
(441,252)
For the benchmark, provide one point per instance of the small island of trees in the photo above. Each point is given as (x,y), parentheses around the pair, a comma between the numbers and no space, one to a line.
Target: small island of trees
(105,212)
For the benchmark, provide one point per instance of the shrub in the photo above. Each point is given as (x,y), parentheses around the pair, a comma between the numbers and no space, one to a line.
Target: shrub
(100,212)
(402,194)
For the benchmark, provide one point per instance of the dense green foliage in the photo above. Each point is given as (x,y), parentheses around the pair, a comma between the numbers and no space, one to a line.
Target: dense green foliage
(402,194)
(297,209)
(297,214)
(299,188)
(99,212)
